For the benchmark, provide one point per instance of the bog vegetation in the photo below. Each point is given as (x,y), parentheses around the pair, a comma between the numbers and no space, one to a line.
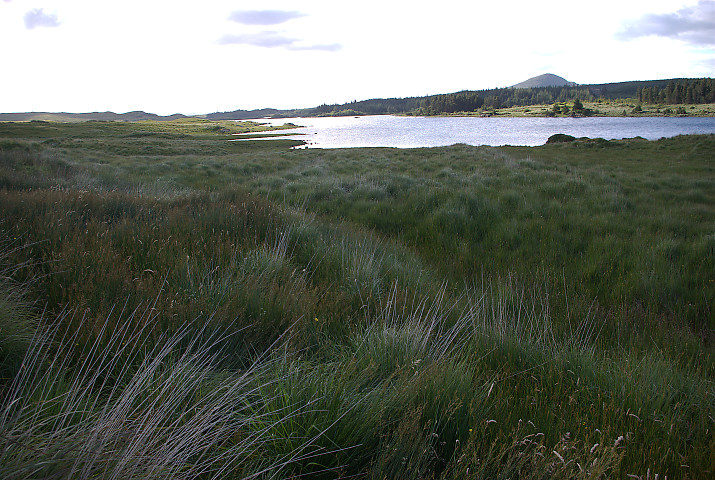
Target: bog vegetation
(176,305)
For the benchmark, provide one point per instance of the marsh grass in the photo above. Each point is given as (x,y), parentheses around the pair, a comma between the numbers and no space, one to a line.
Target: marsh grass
(430,313)
(17,318)
(133,408)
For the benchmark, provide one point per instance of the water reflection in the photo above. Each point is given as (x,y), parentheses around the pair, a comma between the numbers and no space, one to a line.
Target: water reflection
(411,132)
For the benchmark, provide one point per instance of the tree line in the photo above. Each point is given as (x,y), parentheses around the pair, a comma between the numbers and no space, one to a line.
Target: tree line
(654,91)
(698,90)
(470,101)
(673,91)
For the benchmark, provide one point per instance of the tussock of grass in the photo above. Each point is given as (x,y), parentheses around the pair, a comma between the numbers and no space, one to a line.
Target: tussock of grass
(17,321)
(134,406)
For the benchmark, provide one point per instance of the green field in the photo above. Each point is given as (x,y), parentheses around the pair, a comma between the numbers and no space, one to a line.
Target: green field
(176,305)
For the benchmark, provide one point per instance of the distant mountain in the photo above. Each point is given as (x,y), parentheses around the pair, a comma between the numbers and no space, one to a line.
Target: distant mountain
(545,80)
(81,117)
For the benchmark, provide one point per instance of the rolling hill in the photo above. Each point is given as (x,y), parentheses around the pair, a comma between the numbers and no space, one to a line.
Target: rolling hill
(545,80)
(82,117)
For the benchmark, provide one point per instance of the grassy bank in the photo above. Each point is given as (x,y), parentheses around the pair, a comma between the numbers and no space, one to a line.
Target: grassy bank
(188,306)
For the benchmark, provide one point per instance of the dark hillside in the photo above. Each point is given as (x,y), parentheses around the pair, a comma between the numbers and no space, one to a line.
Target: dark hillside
(545,80)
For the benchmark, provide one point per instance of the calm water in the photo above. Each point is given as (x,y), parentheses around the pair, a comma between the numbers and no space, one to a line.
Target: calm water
(405,132)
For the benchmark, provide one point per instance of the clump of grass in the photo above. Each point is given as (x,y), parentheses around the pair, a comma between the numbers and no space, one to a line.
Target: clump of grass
(134,406)
(17,322)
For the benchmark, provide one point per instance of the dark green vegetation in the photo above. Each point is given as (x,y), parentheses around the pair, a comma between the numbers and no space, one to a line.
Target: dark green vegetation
(690,92)
(238,308)
(560,138)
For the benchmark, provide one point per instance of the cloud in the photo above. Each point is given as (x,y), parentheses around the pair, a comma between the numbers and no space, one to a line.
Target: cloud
(708,64)
(261,39)
(38,18)
(271,39)
(264,17)
(331,47)
(694,25)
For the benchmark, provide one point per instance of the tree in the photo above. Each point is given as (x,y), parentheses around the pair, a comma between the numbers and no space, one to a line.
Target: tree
(689,97)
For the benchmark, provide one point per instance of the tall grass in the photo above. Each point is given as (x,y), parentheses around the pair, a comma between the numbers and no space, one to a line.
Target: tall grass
(134,406)
(245,311)
(17,322)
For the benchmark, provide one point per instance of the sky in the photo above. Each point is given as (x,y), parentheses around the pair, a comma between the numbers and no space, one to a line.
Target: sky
(173,56)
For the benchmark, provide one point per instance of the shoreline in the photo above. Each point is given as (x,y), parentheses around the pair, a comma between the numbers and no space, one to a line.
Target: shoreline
(613,108)
(627,108)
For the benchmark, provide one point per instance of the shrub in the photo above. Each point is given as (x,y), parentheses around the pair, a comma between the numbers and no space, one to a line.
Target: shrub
(560,138)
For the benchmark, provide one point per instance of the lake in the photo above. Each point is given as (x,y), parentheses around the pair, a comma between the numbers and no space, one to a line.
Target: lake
(408,132)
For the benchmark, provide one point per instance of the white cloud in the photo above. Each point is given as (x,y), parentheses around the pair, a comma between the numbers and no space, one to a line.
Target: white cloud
(38,18)
(328,47)
(260,39)
(694,25)
(270,39)
(264,17)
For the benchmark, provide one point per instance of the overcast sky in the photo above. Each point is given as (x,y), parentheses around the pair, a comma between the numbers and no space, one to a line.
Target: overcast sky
(167,56)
